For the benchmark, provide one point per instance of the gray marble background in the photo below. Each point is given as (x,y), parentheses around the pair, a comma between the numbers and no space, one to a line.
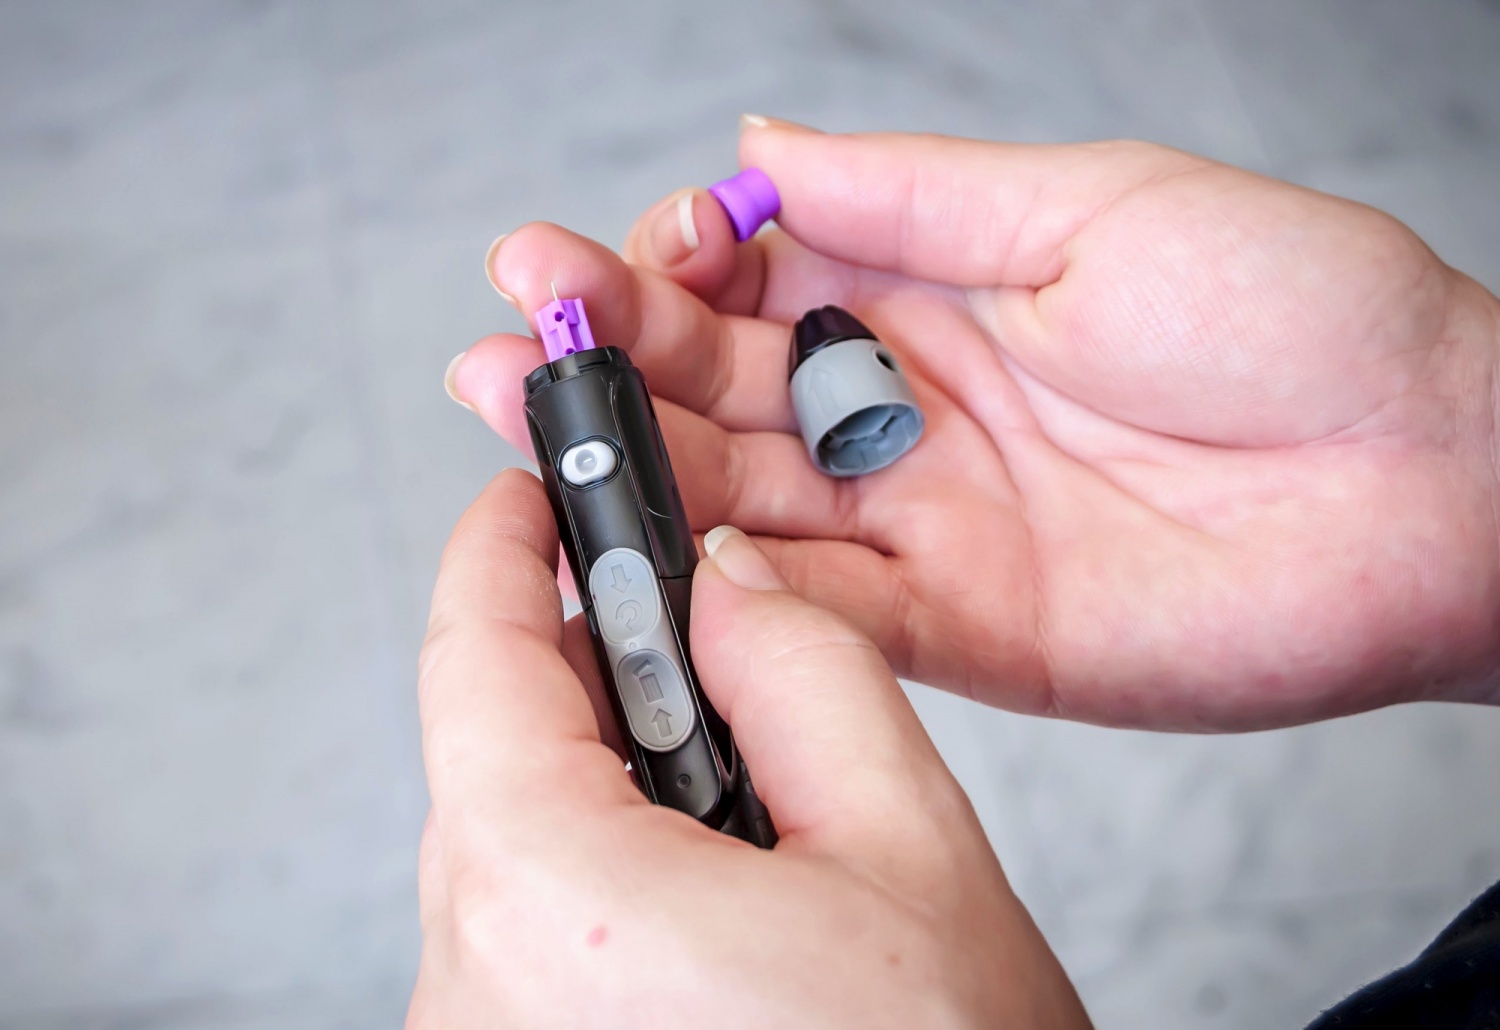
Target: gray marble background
(239,243)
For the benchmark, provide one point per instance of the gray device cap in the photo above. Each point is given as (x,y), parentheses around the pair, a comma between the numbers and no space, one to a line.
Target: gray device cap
(854,406)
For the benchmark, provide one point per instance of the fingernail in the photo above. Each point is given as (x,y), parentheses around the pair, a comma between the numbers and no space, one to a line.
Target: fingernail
(489,271)
(760,121)
(450,383)
(742,563)
(674,233)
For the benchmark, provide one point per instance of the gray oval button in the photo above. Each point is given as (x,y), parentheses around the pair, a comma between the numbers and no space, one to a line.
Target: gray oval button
(588,462)
(623,587)
(655,699)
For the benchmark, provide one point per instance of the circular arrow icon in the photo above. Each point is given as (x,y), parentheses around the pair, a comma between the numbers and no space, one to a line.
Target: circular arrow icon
(627,613)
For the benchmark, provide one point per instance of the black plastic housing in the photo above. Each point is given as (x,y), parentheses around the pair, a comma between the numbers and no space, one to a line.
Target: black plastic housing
(598,394)
(823,327)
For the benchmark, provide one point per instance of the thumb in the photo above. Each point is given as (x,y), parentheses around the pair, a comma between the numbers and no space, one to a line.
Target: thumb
(828,735)
(957,211)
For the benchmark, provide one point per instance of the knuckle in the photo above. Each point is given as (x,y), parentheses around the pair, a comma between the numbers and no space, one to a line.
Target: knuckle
(508,888)
(476,907)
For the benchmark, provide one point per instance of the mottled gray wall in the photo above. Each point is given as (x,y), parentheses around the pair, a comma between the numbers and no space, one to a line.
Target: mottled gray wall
(239,243)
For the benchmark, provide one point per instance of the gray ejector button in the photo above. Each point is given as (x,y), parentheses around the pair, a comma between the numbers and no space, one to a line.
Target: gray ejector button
(588,462)
(642,649)
(655,699)
(623,587)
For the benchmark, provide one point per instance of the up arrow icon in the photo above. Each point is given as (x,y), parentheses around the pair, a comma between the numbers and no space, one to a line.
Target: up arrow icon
(663,723)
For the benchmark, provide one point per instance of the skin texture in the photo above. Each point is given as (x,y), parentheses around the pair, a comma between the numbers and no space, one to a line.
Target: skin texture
(554,895)
(1205,451)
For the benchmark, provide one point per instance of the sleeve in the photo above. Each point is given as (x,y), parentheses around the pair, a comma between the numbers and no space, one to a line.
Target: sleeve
(1453,985)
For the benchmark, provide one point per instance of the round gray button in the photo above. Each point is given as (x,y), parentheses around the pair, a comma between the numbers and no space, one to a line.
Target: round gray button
(588,462)
(655,699)
(623,587)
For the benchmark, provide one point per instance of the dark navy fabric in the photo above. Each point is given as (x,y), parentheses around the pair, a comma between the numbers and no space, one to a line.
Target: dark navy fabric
(1453,985)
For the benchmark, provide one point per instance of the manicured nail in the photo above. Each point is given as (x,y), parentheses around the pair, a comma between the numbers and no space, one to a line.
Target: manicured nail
(674,234)
(489,271)
(742,563)
(450,383)
(753,121)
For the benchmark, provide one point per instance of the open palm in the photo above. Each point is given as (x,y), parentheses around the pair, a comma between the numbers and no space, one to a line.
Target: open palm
(1204,450)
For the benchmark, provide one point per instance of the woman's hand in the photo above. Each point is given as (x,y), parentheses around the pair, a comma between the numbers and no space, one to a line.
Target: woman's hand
(1204,450)
(553,894)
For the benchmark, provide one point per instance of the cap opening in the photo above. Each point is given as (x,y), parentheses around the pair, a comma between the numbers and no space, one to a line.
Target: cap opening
(870,439)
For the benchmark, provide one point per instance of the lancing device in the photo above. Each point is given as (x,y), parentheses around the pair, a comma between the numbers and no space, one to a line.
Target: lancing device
(627,537)
(628,540)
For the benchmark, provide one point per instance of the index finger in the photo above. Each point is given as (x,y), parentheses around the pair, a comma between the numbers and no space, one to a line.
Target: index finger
(507,727)
(733,370)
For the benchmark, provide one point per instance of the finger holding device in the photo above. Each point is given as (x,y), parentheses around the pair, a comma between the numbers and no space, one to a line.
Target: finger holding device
(627,537)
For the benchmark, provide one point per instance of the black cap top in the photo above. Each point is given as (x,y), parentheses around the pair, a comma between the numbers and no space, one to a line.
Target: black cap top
(821,327)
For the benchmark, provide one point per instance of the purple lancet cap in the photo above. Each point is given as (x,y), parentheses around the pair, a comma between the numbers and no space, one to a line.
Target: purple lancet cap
(749,199)
(564,328)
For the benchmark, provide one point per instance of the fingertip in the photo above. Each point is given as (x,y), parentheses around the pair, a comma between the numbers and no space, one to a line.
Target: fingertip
(714,538)
(814,707)
(524,489)
(491,266)
(725,620)
(511,516)
(541,261)
(672,235)
(489,380)
(760,124)
(687,237)
(450,382)
(742,563)
(763,140)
